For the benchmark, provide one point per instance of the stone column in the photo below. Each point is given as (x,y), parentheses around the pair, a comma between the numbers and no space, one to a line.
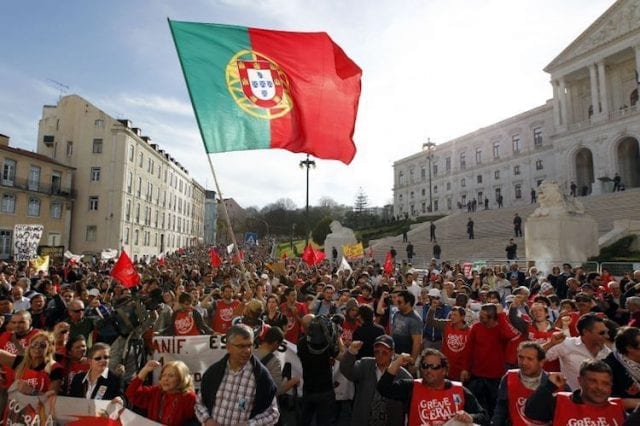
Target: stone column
(603,88)
(637,52)
(556,103)
(594,91)
(563,102)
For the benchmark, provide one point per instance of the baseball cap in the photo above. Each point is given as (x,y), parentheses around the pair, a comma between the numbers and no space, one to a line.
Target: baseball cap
(386,340)
(264,276)
(434,292)
(94,292)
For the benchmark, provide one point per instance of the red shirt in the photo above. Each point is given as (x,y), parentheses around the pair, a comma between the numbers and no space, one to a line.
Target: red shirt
(455,348)
(7,341)
(348,327)
(294,326)
(73,368)
(517,396)
(434,407)
(223,315)
(185,325)
(569,413)
(485,357)
(171,409)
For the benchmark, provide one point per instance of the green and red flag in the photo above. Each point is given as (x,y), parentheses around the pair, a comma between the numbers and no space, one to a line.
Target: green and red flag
(256,89)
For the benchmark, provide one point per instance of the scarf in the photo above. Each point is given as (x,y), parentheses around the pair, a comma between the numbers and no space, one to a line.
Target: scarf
(632,368)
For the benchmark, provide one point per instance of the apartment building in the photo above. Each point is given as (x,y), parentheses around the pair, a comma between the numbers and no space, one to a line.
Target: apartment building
(35,190)
(131,194)
(584,135)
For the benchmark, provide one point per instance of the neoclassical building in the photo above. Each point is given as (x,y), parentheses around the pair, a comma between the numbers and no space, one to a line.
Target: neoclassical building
(131,194)
(585,134)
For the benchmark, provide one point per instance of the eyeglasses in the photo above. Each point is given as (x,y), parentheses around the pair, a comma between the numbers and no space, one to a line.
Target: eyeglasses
(100,358)
(434,367)
(243,347)
(40,345)
(76,310)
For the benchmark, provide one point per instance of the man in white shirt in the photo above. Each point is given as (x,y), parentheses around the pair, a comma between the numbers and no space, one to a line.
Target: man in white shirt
(573,351)
(412,285)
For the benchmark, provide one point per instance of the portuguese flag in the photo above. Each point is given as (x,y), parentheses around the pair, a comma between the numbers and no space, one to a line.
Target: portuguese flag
(257,89)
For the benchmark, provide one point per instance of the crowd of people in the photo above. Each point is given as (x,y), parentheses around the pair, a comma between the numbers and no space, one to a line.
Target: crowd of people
(504,345)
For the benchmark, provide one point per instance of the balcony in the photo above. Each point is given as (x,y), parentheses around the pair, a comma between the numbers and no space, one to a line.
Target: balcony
(39,188)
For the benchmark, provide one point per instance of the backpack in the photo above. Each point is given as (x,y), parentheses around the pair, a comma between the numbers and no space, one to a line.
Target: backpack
(322,335)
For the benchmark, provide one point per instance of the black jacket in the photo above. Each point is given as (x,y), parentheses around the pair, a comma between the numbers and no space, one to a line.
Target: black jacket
(265,388)
(113,387)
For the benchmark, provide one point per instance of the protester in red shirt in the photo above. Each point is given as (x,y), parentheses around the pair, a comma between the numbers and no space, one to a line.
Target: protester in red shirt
(186,321)
(170,402)
(225,310)
(351,321)
(74,362)
(455,333)
(293,311)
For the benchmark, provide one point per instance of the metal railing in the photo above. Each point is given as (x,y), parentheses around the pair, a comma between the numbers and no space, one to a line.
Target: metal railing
(38,187)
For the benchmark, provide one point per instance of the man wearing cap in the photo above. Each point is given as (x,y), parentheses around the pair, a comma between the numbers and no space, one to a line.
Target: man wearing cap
(369,407)
(432,336)
(434,400)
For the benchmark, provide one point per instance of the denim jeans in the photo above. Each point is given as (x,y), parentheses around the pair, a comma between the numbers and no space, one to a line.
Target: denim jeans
(321,406)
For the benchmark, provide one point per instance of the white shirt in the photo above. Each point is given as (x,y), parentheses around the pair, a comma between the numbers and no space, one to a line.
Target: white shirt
(571,353)
(91,386)
(415,289)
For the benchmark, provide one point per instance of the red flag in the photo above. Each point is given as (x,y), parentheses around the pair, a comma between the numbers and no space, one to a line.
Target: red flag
(125,272)
(388,263)
(312,257)
(161,261)
(238,257)
(215,259)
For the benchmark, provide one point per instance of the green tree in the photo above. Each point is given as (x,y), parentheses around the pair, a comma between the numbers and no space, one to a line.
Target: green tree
(322,229)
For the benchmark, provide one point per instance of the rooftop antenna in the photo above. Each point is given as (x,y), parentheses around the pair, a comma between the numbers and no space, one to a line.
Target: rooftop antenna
(63,88)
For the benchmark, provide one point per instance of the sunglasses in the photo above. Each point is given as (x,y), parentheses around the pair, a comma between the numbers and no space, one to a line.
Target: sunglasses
(100,358)
(40,345)
(434,367)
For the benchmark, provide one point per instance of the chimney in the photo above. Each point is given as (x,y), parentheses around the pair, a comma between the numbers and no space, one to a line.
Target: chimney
(4,140)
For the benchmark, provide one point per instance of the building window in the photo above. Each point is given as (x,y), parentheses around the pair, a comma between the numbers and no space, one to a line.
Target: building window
(496,150)
(136,237)
(478,156)
(129,182)
(515,143)
(449,204)
(5,243)
(399,198)
(435,205)
(138,213)
(411,195)
(93,203)
(33,209)
(410,178)
(140,159)
(537,137)
(150,165)
(97,146)
(400,178)
(435,189)
(9,172)
(463,160)
(447,164)
(463,182)
(127,211)
(423,192)
(149,191)
(496,174)
(99,123)
(69,150)
(424,207)
(8,203)
(435,169)
(516,170)
(423,173)
(139,191)
(518,191)
(34,178)
(131,153)
(92,233)
(55,210)
(448,186)
(126,235)
(479,179)
(539,165)
(95,174)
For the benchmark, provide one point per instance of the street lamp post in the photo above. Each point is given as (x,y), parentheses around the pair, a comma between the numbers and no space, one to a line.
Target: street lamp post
(307,163)
(428,147)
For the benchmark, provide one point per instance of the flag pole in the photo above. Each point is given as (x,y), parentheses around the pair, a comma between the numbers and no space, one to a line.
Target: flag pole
(226,217)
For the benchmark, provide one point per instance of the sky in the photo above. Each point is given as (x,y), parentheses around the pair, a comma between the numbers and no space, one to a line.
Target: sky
(434,69)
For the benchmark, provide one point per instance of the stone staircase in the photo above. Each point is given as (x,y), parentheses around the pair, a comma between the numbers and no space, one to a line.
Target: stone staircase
(494,227)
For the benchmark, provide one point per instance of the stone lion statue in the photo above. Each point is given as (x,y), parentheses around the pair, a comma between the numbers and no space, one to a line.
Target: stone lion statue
(553,202)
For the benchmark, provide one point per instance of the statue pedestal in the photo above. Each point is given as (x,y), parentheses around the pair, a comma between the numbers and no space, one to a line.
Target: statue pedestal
(563,238)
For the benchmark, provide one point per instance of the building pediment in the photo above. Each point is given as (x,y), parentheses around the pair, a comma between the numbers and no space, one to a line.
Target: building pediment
(622,18)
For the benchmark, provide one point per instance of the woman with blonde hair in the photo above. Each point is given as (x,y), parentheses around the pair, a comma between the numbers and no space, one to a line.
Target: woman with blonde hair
(36,372)
(170,402)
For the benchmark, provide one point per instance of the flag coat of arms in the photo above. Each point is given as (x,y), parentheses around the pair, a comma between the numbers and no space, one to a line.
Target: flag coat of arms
(255,89)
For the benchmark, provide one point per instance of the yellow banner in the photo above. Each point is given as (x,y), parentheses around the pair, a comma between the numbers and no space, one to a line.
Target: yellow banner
(40,263)
(353,251)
